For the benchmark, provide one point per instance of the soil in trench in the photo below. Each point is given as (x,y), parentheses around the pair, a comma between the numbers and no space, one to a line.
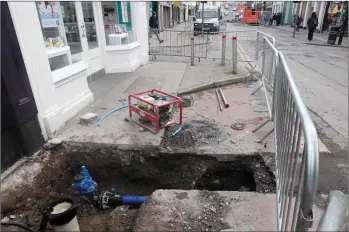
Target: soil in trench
(131,173)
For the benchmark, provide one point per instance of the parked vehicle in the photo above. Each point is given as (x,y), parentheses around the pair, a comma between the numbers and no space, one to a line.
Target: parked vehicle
(212,16)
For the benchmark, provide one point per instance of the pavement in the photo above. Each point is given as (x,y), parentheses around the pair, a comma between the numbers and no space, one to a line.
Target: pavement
(319,39)
(188,210)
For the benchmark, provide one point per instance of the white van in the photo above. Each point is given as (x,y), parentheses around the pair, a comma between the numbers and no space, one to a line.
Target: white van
(211,20)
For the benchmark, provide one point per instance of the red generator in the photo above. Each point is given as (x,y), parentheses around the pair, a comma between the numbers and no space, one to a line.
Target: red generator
(153,109)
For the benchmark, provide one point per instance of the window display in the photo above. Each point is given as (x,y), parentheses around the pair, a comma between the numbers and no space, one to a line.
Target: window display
(61,35)
(117,23)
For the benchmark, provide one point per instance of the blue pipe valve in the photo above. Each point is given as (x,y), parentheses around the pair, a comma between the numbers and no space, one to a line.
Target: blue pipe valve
(86,185)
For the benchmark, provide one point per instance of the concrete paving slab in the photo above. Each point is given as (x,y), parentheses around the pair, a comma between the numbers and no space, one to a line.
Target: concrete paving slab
(193,210)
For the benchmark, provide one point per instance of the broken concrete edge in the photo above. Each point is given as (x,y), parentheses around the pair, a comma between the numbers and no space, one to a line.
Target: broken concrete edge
(84,146)
(268,157)
(229,81)
(13,168)
(19,164)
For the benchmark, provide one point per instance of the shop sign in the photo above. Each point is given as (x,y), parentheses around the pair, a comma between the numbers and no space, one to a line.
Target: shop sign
(49,14)
(176,4)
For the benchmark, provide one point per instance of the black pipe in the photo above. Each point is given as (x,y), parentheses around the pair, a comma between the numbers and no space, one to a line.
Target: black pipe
(18,225)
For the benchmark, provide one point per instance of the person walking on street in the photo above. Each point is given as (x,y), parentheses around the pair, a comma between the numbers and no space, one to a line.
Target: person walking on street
(154,27)
(297,22)
(271,20)
(280,18)
(312,24)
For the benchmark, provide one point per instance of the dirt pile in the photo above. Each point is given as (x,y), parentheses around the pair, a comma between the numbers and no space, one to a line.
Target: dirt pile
(195,133)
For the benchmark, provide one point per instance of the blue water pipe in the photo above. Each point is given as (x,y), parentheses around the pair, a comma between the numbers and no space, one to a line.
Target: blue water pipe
(109,113)
(177,131)
(112,111)
(133,200)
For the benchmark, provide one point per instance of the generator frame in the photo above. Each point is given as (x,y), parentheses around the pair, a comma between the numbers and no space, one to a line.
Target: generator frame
(154,118)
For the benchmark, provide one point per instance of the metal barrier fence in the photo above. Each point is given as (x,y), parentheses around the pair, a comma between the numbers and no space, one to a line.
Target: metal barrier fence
(187,25)
(296,165)
(268,73)
(177,43)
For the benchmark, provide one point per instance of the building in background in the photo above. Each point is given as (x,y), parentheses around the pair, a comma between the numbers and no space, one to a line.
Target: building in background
(305,9)
(165,15)
(268,6)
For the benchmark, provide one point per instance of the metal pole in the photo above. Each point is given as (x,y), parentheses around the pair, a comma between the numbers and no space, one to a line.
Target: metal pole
(226,105)
(219,101)
(234,54)
(256,53)
(192,51)
(202,18)
(224,42)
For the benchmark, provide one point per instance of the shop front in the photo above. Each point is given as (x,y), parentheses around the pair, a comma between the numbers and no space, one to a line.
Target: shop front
(64,44)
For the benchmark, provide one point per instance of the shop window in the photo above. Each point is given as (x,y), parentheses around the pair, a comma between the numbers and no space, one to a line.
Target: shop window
(117,23)
(60,28)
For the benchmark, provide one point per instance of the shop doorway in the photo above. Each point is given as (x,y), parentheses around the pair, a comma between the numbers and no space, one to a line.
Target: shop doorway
(20,130)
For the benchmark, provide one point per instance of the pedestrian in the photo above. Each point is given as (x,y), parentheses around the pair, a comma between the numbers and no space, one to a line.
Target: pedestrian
(312,24)
(271,20)
(278,19)
(298,22)
(154,27)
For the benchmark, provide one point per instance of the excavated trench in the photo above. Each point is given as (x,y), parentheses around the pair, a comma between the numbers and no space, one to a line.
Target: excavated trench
(130,173)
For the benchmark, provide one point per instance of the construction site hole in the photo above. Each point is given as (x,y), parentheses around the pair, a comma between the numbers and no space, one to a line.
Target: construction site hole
(133,173)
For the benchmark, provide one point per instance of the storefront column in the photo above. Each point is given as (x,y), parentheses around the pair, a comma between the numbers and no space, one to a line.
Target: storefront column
(300,8)
(316,8)
(306,15)
(321,15)
(171,17)
(139,13)
(186,11)
(27,25)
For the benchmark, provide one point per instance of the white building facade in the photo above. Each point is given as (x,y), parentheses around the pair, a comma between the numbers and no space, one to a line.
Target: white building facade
(64,44)
(278,7)
(305,9)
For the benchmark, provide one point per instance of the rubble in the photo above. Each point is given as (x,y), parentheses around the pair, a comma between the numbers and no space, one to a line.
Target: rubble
(187,100)
(88,119)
